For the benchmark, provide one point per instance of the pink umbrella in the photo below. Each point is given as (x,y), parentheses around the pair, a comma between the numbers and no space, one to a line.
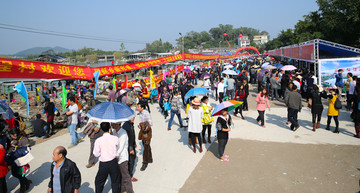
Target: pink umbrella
(288,68)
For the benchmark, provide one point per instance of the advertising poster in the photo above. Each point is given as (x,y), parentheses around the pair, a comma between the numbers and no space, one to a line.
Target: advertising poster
(329,68)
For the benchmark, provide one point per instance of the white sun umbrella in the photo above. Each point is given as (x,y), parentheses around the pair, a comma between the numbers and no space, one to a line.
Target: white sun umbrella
(228,66)
(271,67)
(265,65)
(229,72)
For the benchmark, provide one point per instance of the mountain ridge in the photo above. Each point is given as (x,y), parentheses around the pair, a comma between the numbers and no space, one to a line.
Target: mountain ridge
(39,50)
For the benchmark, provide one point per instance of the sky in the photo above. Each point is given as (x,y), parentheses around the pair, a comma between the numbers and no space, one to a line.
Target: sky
(138,21)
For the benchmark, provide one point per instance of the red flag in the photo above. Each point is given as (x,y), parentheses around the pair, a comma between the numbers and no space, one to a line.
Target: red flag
(126,84)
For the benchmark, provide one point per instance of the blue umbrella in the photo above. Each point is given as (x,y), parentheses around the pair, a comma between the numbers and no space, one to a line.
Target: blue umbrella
(111,112)
(8,114)
(229,72)
(278,66)
(196,91)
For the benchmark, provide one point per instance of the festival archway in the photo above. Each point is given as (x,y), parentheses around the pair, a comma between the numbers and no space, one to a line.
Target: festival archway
(248,48)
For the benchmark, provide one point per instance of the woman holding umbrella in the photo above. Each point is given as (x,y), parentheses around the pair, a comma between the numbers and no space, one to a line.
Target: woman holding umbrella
(223,124)
(262,100)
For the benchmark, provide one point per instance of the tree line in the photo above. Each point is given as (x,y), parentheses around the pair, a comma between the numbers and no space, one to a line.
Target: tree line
(335,20)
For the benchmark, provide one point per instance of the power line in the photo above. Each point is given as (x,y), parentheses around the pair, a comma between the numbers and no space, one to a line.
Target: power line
(64,34)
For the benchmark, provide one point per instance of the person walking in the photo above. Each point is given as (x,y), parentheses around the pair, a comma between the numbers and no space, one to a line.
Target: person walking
(126,185)
(145,95)
(230,89)
(195,115)
(166,97)
(128,126)
(112,94)
(145,118)
(293,102)
(246,88)
(49,109)
(350,97)
(175,109)
(73,112)
(274,87)
(316,106)
(239,96)
(3,169)
(265,83)
(94,132)
(18,139)
(221,90)
(184,90)
(65,175)
(332,111)
(339,82)
(223,126)
(355,115)
(207,120)
(262,100)
(106,149)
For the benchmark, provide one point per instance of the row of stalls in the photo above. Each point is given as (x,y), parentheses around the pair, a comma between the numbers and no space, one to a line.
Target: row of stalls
(322,57)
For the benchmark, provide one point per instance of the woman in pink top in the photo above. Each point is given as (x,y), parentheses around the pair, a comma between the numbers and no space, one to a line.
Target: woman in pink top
(262,100)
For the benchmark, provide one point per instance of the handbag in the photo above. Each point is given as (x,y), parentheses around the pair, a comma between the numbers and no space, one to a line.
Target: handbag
(167,106)
(185,122)
(89,129)
(21,161)
(337,104)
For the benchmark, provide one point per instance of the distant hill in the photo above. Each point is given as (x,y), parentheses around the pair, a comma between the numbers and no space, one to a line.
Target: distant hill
(39,50)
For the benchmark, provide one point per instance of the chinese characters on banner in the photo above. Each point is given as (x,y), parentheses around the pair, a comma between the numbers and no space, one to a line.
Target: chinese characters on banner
(10,68)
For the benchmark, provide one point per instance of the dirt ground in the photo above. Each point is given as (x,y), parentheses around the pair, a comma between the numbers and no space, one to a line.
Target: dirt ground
(256,166)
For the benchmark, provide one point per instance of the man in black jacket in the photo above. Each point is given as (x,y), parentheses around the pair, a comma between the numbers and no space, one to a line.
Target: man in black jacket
(186,89)
(50,114)
(65,176)
(128,126)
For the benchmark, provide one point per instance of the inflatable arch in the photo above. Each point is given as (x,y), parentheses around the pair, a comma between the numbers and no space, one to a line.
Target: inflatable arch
(248,48)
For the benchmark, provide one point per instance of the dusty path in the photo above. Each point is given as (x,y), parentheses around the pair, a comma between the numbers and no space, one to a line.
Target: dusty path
(256,166)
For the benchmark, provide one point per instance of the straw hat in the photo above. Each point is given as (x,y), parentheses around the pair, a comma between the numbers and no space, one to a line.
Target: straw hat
(196,101)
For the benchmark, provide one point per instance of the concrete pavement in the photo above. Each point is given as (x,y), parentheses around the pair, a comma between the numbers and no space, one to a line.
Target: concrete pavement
(173,158)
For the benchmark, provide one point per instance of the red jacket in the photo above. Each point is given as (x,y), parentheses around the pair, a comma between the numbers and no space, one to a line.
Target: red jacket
(3,167)
(239,95)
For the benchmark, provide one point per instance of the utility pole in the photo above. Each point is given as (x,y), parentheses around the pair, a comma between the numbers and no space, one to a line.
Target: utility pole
(183,44)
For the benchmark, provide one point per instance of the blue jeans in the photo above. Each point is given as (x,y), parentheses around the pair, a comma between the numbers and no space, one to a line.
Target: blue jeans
(172,117)
(74,135)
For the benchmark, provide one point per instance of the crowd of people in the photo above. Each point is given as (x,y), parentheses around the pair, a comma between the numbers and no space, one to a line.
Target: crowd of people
(114,144)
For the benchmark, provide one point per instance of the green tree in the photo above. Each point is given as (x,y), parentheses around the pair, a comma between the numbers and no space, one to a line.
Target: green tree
(335,20)
(158,46)
(122,47)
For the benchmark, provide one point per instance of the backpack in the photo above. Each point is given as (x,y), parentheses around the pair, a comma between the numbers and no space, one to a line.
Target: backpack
(22,124)
(337,104)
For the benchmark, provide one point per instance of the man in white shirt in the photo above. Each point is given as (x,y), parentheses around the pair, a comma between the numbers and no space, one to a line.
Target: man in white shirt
(221,89)
(106,149)
(126,185)
(350,97)
(136,85)
(73,112)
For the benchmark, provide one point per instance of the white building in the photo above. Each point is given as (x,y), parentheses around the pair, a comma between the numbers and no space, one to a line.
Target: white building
(261,39)
(244,41)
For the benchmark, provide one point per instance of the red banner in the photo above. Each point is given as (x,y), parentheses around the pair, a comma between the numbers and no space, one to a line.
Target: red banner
(157,78)
(10,68)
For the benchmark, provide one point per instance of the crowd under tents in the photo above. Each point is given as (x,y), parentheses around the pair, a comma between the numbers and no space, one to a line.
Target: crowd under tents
(309,54)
